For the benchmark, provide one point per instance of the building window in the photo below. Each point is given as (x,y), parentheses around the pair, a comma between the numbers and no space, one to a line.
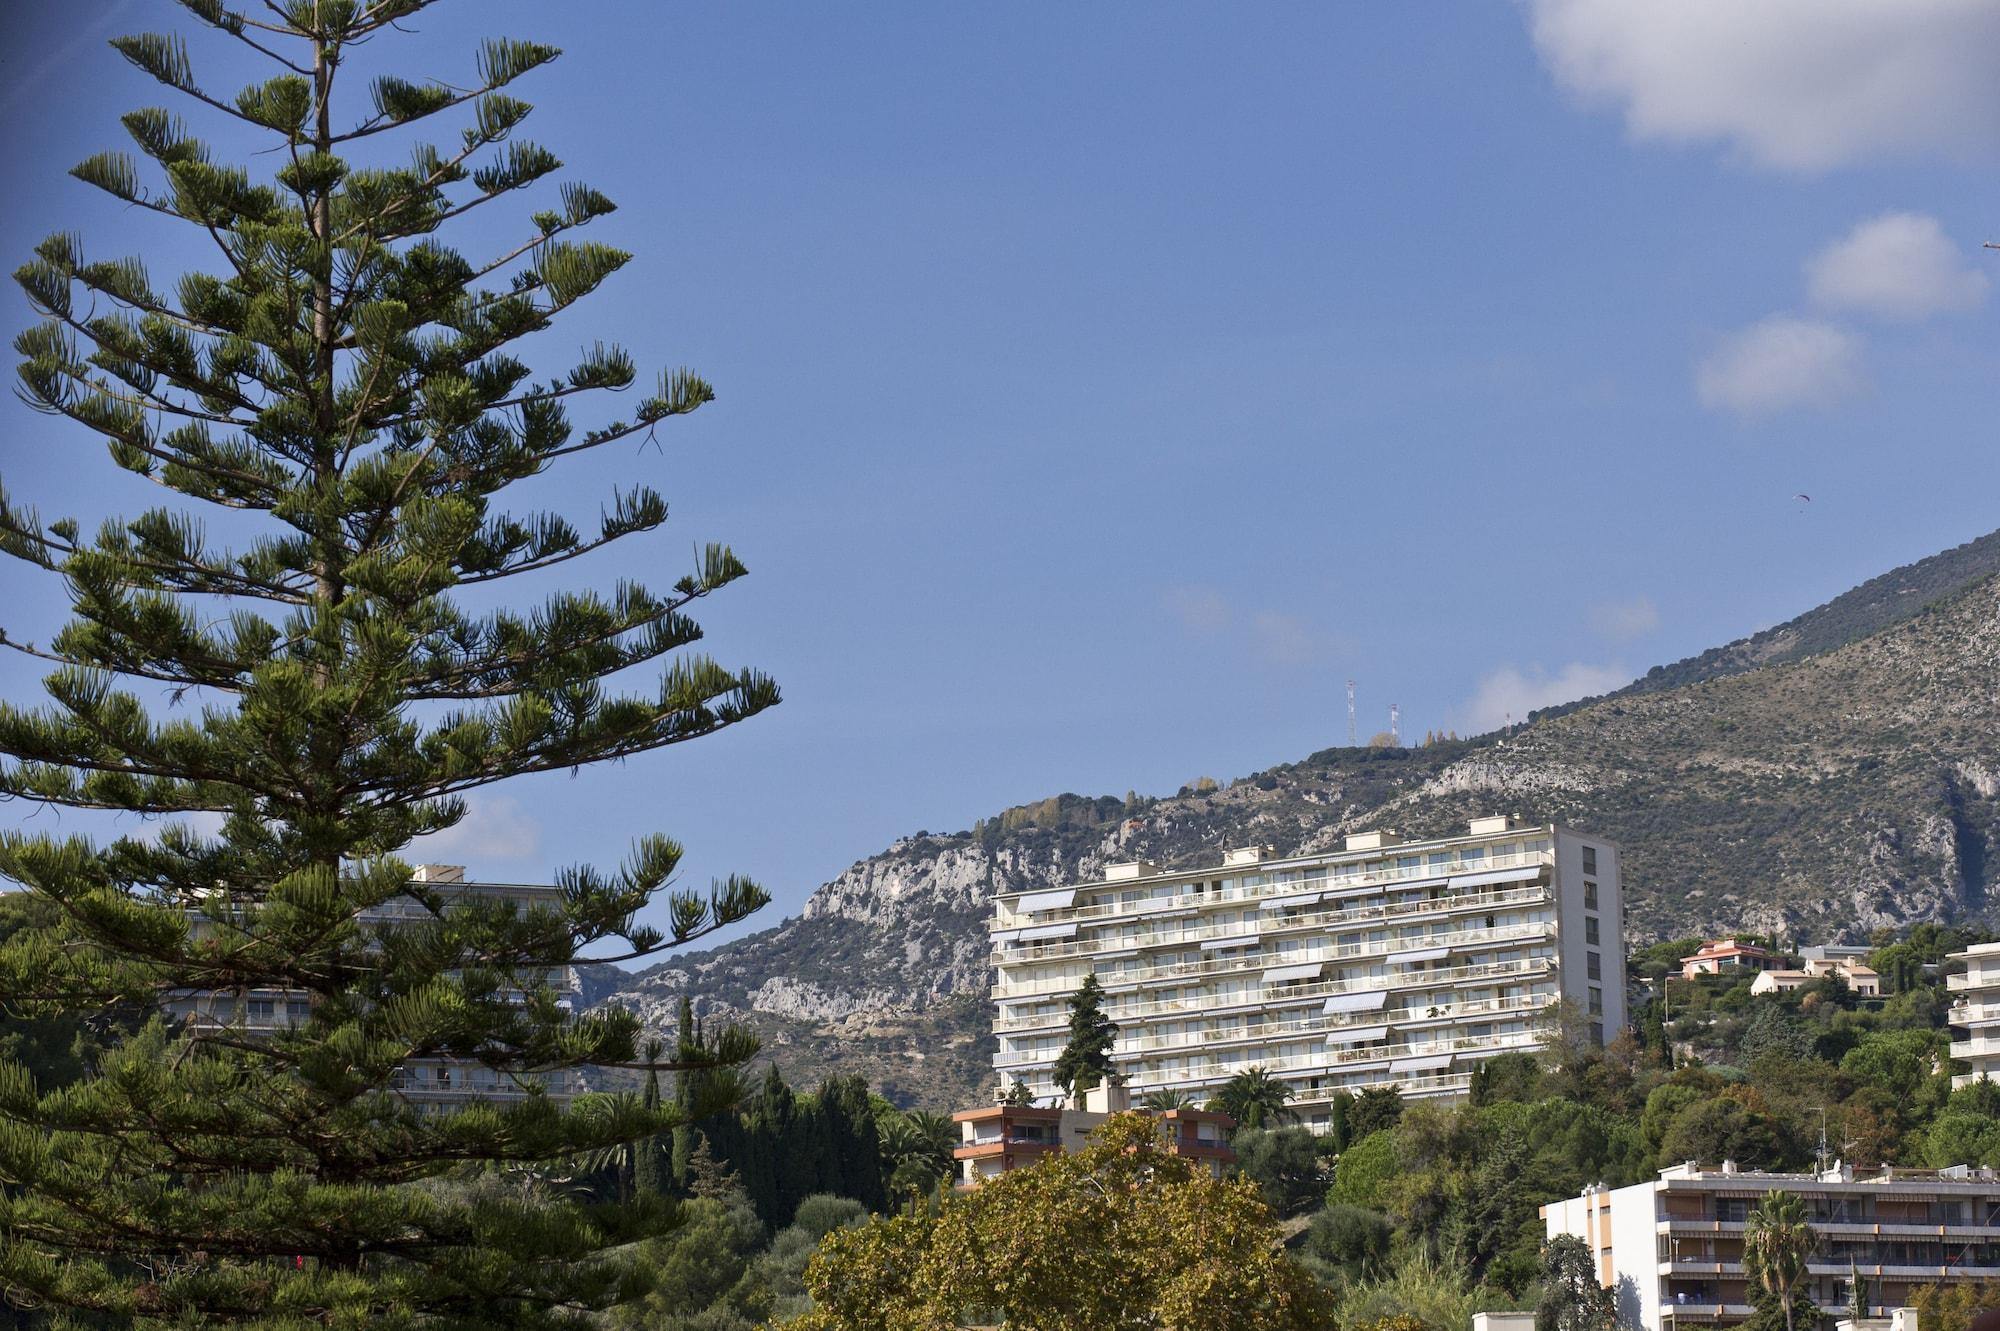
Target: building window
(1589,895)
(1596,1001)
(1593,965)
(1590,859)
(1590,930)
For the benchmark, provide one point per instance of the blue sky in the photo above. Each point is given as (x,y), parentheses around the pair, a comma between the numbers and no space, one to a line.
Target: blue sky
(1102,386)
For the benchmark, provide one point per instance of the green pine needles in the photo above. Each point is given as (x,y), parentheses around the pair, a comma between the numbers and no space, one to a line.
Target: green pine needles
(342,396)
(1085,1059)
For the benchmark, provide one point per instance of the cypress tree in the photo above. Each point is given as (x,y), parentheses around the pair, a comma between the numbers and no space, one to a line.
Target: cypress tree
(346,390)
(1085,1059)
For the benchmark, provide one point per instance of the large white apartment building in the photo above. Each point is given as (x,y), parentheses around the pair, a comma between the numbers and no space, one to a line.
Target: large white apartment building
(1975,1013)
(1388,963)
(1671,1249)
(436,1083)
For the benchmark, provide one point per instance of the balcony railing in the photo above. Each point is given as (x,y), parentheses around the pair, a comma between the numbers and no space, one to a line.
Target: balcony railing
(1463,938)
(1142,1080)
(1173,1007)
(1339,877)
(1272,923)
(1307,1026)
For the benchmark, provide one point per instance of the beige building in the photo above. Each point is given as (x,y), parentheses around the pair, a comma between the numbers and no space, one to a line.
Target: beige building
(1671,1249)
(435,1082)
(999,1138)
(1975,1013)
(1385,963)
(1861,979)
(1726,956)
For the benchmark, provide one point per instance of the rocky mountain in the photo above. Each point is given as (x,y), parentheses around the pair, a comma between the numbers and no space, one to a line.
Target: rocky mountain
(1823,778)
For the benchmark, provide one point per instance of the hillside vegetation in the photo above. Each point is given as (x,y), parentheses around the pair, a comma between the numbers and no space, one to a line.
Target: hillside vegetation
(1820,796)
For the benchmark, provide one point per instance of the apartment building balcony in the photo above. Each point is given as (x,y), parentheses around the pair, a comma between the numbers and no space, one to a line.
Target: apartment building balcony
(1972,1015)
(1048,907)
(1405,951)
(1025,951)
(1982,1047)
(1292,994)
(1421,1018)
(1409,1057)
(1971,982)
(1413,1087)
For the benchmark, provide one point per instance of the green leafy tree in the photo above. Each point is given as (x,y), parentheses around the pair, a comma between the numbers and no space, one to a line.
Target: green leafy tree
(1121,1235)
(1255,1099)
(1572,1298)
(1286,1167)
(1165,1101)
(1778,1241)
(1085,1059)
(346,393)
(1375,1108)
(1019,1095)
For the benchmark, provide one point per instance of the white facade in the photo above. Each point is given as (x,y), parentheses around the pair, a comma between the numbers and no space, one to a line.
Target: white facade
(436,1082)
(1975,1013)
(1388,963)
(1671,1249)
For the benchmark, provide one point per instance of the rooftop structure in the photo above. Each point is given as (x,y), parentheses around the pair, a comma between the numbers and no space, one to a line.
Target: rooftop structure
(433,1082)
(1720,956)
(1671,1249)
(1386,963)
(999,1138)
(1975,1013)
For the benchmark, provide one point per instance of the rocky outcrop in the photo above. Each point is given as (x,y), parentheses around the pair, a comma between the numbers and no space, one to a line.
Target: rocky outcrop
(1822,796)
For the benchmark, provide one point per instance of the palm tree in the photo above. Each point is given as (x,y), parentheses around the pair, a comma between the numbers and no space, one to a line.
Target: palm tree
(1777,1242)
(1255,1099)
(917,1149)
(1160,1102)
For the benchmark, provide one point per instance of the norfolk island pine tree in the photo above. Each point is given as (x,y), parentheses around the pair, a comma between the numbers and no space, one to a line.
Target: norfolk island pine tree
(344,386)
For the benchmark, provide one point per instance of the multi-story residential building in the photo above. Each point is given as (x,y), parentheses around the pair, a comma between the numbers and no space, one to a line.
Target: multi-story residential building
(999,1138)
(434,1082)
(1671,1250)
(1724,956)
(1387,963)
(1975,1013)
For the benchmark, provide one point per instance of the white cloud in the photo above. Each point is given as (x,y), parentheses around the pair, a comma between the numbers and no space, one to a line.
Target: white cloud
(1509,694)
(1802,85)
(1287,640)
(1199,609)
(1897,266)
(1622,621)
(495,827)
(1779,362)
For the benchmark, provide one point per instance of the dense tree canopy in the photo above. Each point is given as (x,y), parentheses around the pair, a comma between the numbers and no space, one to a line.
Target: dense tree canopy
(336,415)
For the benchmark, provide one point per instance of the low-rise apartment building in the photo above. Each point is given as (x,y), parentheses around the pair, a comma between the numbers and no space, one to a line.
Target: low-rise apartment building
(432,1082)
(1975,1013)
(999,1138)
(1671,1250)
(1386,963)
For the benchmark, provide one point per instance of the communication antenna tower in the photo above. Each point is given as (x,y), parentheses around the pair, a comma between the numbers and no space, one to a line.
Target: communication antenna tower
(1395,726)
(1352,740)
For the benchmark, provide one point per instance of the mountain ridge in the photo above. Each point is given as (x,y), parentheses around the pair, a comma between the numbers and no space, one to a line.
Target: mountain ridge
(1845,779)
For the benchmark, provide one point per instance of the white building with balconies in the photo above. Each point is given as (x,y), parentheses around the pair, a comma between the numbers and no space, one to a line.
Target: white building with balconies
(1671,1249)
(1388,963)
(1975,1013)
(434,1082)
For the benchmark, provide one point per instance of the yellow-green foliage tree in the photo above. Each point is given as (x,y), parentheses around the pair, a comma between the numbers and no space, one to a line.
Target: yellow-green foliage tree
(1120,1235)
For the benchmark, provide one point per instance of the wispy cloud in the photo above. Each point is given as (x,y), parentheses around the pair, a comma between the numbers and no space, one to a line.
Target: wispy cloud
(1800,85)
(1897,266)
(1273,637)
(1509,693)
(495,828)
(1781,362)
(1623,621)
